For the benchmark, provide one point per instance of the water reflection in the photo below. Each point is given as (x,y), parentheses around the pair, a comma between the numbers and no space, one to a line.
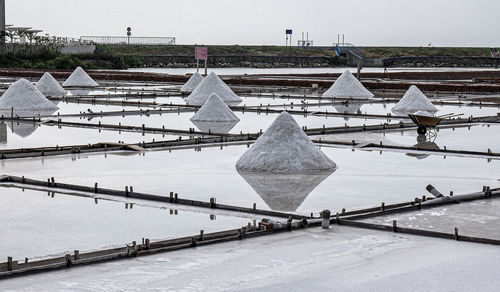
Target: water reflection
(23,128)
(284,192)
(3,133)
(78,92)
(424,143)
(26,113)
(348,108)
(215,127)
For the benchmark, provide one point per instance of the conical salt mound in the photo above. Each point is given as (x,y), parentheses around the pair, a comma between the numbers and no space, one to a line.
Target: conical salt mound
(215,127)
(215,110)
(49,86)
(23,95)
(284,148)
(192,83)
(413,101)
(347,86)
(80,78)
(211,84)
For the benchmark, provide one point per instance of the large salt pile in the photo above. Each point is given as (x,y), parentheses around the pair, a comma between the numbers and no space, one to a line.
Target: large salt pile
(211,84)
(192,83)
(413,101)
(284,148)
(80,78)
(49,86)
(23,95)
(347,86)
(215,110)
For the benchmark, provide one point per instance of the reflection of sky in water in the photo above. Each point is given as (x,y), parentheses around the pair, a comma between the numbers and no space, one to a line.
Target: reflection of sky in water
(363,178)
(477,218)
(64,223)
(15,134)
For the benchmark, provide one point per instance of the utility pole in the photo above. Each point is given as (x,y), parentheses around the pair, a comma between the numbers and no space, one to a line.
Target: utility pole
(2,27)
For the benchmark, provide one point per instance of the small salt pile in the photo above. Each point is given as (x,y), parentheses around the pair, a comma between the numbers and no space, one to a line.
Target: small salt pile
(49,86)
(192,83)
(414,100)
(211,84)
(284,148)
(423,113)
(23,95)
(79,78)
(215,127)
(215,110)
(347,86)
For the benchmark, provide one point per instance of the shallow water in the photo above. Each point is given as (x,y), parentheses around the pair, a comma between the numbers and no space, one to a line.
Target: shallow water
(363,178)
(37,224)
(477,218)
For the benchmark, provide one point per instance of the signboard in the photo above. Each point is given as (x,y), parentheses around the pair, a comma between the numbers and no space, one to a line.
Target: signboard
(201,53)
(288,31)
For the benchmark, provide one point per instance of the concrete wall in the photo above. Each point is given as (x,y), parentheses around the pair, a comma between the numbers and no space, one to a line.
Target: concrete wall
(442,61)
(77,49)
(241,61)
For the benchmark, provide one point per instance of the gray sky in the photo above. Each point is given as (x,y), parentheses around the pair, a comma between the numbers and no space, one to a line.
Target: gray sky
(364,22)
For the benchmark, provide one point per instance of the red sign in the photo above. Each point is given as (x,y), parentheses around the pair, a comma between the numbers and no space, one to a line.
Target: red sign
(201,53)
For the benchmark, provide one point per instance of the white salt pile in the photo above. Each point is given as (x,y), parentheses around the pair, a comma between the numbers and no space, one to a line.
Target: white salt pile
(413,101)
(49,86)
(192,83)
(423,113)
(80,78)
(284,148)
(215,127)
(347,86)
(215,110)
(211,84)
(23,95)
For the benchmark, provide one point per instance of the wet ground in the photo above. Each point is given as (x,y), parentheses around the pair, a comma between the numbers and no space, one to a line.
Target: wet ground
(365,177)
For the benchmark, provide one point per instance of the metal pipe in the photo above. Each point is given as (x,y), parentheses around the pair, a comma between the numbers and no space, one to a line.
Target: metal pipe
(431,189)
(456,198)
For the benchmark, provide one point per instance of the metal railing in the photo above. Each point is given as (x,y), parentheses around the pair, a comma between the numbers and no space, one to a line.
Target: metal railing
(124,40)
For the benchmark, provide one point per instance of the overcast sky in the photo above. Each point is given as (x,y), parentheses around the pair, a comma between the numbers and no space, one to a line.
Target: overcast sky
(364,22)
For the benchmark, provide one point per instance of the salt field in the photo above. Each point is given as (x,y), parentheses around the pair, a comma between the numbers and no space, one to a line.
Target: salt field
(192,182)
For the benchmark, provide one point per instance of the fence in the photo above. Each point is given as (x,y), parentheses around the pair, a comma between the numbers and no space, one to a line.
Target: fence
(124,40)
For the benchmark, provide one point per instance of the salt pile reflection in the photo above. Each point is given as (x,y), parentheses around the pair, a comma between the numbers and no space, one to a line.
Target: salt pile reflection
(284,192)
